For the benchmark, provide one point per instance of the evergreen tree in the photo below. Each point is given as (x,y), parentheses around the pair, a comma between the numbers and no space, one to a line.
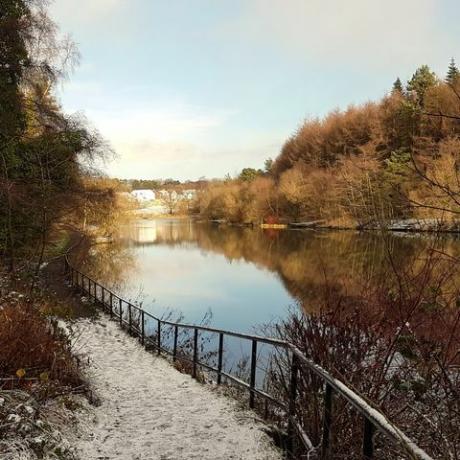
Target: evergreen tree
(13,57)
(249,174)
(421,81)
(452,73)
(268,165)
(397,86)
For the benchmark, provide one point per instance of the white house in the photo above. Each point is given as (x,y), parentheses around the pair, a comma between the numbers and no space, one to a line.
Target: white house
(168,194)
(143,195)
(189,194)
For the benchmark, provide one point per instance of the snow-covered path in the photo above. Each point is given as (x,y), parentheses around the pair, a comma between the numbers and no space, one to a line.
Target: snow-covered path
(151,411)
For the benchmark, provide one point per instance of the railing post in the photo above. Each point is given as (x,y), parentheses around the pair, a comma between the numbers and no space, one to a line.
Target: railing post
(292,402)
(195,352)
(130,318)
(327,417)
(176,333)
(252,382)
(111,305)
(103,298)
(142,327)
(220,358)
(159,337)
(120,303)
(265,408)
(368,443)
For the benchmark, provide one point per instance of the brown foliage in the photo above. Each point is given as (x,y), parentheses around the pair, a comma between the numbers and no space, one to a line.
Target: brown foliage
(322,142)
(32,345)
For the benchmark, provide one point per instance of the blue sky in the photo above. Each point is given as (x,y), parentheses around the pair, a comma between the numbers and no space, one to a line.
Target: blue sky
(190,88)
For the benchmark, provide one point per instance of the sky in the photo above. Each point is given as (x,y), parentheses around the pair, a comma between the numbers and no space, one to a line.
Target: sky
(190,88)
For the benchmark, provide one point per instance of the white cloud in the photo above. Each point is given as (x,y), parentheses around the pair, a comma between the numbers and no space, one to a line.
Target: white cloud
(181,160)
(155,125)
(161,142)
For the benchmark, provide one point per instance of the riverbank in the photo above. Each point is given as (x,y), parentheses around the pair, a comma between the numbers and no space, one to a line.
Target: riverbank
(396,226)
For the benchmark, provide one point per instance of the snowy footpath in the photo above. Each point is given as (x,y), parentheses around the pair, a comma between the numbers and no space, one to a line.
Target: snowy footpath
(148,410)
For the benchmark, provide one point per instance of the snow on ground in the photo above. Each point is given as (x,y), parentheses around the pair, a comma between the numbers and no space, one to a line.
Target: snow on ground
(149,410)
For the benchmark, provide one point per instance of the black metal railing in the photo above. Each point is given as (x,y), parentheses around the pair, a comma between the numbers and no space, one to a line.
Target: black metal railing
(135,319)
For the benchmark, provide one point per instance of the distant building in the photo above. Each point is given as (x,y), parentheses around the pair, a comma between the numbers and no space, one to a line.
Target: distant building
(168,194)
(189,194)
(143,195)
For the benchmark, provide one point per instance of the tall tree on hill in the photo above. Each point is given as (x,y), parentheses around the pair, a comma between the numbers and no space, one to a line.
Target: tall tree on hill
(452,73)
(397,86)
(421,81)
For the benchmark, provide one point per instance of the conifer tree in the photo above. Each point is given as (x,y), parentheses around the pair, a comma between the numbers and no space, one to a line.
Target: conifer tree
(422,79)
(452,73)
(397,86)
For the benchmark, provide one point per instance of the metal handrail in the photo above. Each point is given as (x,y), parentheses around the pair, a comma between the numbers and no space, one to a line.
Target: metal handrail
(374,419)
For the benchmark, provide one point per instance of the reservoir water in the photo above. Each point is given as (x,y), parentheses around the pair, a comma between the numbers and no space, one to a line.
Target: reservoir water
(246,277)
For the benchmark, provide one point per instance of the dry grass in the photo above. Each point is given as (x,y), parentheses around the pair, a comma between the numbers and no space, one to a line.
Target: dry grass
(33,349)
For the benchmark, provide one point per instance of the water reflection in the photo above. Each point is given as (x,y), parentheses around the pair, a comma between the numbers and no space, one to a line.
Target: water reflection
(247,276)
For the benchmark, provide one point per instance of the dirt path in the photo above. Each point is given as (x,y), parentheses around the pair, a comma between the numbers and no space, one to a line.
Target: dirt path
(151,411)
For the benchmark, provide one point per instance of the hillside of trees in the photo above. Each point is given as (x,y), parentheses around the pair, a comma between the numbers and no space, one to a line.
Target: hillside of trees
(396,158)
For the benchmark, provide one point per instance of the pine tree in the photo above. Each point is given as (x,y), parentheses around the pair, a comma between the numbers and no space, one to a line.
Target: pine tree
(397,86)
(452,73)
(422,79)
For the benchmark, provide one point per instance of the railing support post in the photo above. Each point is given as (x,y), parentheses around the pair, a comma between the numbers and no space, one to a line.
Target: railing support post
(292,403)
(195,352)
(103,299)
(327,417)
(252,382)
(368,443)
(142,327)
(111,305)
(159,337)
(130,318)
(120,303)
(220,358)
(176,333)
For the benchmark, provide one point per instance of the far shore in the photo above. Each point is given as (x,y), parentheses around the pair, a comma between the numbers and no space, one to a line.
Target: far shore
(400,226)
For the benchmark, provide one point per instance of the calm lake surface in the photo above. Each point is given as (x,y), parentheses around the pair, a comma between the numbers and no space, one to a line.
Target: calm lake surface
(245,277)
